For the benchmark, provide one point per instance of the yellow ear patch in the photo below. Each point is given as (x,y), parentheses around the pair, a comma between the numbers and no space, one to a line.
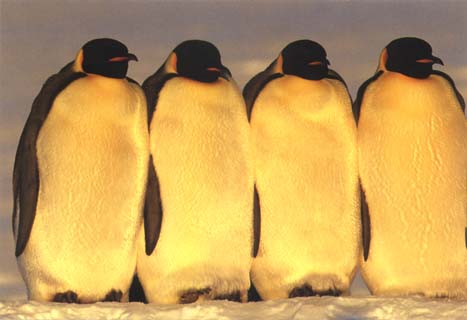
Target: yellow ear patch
(383,58)
(278,65)
(171,64)
(78,65)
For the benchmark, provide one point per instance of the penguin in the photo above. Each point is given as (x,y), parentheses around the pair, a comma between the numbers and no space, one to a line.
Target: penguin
(198,237)
(79,180)
(305,150)
(412,154)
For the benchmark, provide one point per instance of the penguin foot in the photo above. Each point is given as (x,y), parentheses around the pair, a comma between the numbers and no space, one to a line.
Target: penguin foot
(113,296)
(303,291)
(66,297)
(191,296)
(234,296)
(330,292)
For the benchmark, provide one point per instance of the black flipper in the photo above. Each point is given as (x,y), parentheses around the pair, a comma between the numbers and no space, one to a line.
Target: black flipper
(153,204)
(26,170)
(453,85)
(461,101)
(361,91)
(366,224)
(256,223)
(256,84)
(152,87)
(152,210)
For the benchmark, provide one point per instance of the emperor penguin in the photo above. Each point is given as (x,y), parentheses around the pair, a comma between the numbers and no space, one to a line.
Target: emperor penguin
(305,150)
(79,180)
(198,237)
(412,152)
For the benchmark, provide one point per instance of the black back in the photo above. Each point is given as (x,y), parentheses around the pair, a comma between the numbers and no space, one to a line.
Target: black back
(153,211)
(152,87)
(256,84)
(460,99)
(26,171)
(361,92)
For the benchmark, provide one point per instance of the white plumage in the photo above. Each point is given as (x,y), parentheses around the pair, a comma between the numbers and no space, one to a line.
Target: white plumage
(307,179)
(413,166)
(200,143)
(92,155)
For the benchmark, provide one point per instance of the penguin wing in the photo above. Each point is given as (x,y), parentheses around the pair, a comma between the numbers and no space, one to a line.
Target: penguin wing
(366,224)
(361,92)
(152,210)
(256,223)
(451,82)
(461,101)
(256,84)
(26,170)
(152,87)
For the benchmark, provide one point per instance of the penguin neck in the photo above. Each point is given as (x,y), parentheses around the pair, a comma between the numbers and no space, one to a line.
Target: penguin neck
(106,81)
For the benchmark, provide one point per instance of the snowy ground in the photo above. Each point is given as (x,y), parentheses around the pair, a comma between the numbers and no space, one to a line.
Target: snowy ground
(299,308)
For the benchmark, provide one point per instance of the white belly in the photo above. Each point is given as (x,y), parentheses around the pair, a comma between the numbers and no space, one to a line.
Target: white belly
(413,167)
(92,156)
(201,149)
(306,174)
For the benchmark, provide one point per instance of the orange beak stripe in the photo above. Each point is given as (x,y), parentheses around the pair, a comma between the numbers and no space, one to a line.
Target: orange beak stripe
(119,59)
(315,63)
(213,69)
(424,61)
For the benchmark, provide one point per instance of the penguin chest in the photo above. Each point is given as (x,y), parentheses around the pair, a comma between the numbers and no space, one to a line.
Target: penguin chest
(306,168)
(92,157)
(413,165)
(199,140)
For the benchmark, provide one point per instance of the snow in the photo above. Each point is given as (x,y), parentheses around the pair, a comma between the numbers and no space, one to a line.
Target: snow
(364,307)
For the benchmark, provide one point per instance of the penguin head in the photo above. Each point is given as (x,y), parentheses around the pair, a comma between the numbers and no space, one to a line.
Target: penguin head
(105,57)
(410,56)
(305,59)
(199,60)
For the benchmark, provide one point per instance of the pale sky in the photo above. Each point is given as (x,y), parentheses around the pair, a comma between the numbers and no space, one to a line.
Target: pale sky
(39,37)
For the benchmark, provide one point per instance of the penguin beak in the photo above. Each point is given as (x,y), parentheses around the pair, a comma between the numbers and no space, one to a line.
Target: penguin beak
(431,60)
(327,62)
(129,56)
(437,60)
(225,73)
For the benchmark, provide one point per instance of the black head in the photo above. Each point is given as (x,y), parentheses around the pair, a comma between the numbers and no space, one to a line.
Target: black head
(411,56)
(200,60)
(305,59)
(106,57)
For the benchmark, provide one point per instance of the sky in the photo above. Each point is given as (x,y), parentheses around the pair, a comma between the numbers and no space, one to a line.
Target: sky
(37,38)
